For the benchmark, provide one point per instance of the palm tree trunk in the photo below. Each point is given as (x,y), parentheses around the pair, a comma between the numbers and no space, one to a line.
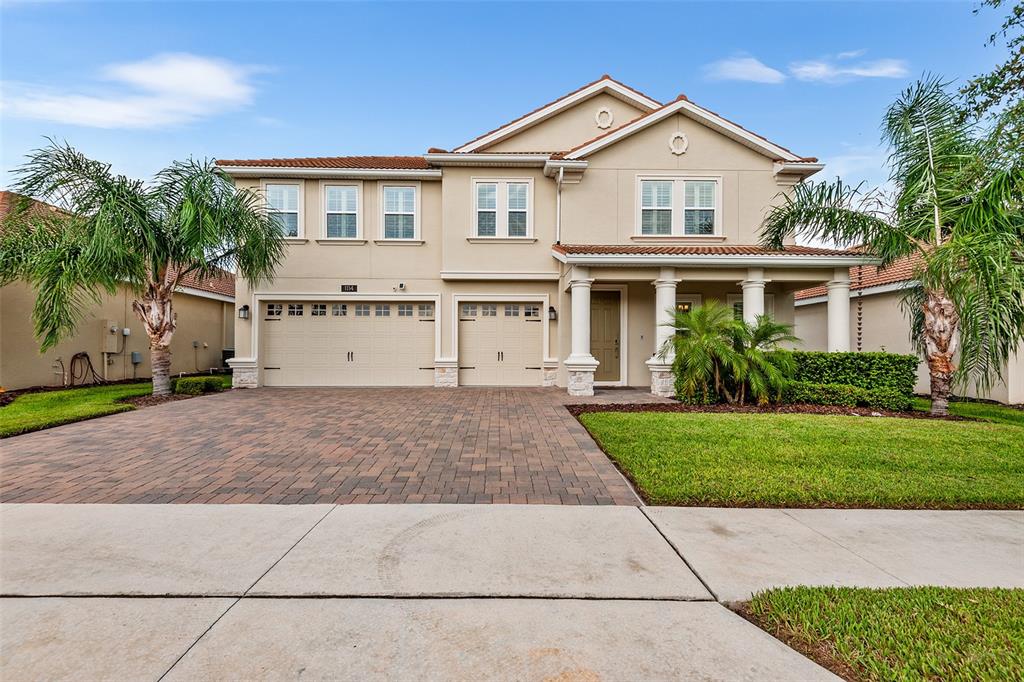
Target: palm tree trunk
(156,312)
(940,327)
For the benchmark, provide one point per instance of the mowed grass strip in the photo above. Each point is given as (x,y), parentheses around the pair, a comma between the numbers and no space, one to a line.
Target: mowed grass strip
(34,411)
(915,633)
(999,414)
(792,460)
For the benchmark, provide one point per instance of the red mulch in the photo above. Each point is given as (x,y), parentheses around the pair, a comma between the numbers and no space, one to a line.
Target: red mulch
(150,400)
(798,408)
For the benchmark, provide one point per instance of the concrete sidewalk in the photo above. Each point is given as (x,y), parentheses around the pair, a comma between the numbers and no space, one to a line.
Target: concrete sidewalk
(448,591)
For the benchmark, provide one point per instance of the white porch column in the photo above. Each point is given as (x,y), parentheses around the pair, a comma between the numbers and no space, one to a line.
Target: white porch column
(581,364)
(662,381)
(839,311)
(753,295)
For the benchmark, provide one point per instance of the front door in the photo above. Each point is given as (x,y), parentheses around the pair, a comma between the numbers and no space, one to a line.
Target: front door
(605,334)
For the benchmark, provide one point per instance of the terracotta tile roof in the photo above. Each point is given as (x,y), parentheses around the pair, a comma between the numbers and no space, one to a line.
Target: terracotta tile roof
(223,284)
(694,250)
(374,162)
(867,276)
(604,77)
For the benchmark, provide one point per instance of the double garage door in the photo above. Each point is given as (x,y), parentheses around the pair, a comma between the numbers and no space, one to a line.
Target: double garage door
(348,344)
(385,343)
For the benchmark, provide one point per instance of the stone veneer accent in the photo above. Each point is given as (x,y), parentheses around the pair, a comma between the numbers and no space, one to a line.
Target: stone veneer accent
(446,376)
(550,376)
(581,382)
(663,382)
(244,376)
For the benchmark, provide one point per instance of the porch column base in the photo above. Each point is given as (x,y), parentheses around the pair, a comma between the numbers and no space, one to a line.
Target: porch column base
(446,373)
(550,374)
(663,381)
(581,375)
(244,373)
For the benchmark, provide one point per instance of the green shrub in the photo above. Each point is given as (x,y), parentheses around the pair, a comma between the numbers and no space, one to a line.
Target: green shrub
(197,385)
(866,370)
(845,395)
(889,399)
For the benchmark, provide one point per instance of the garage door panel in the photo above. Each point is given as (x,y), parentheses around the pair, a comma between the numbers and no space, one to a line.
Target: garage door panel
(500,344)
(348,344)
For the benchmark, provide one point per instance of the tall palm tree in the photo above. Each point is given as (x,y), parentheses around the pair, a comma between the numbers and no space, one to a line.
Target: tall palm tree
(112,230)
(956,204)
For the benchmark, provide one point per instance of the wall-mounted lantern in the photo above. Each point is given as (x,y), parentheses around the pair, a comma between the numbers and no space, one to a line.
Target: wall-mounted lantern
(552,313)
(243,312)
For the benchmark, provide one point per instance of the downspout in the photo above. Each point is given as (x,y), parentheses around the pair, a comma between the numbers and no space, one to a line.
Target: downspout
(558,205)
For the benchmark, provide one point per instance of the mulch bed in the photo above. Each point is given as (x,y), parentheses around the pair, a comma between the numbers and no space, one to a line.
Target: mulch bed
(798,408)
(819,652)
(151,400)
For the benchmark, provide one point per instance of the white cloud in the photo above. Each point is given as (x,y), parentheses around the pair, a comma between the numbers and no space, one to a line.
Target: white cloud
(850,54)
(828,71)
(743,69)
(164,90)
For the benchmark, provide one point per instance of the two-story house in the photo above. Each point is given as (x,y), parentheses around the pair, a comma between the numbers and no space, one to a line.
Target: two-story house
(550,251)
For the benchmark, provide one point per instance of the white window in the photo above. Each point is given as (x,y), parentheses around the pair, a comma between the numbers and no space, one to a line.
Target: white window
(502,208)
(295,310)
(274,309)
(318,310)
(362,310)
(405,309)
(426,310)
(679,207)
(341,207)
(339,309)
(283,207)
(399,212)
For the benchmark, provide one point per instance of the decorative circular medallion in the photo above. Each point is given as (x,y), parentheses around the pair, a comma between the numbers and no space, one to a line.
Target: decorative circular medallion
(604,118)
(678,143)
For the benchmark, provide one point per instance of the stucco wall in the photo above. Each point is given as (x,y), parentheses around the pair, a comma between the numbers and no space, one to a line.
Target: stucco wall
(207,321)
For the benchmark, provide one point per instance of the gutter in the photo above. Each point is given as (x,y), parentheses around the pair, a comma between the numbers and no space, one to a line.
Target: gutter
(310,172)
(712,260)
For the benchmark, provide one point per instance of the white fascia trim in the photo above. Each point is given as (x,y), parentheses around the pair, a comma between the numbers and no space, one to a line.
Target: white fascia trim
(713,260)
(805,168)
(866,291)
(701,114)
(355,173)
(614,88)
(484,159)
(552,165)
(191,291)
(493,275)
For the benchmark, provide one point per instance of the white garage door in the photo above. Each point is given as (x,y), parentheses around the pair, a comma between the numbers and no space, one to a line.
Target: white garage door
(348,343)
(500,344)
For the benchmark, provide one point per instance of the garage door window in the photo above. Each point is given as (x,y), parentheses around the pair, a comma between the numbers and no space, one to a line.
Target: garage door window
(405,309)
(363,310)
(274,309)
(426,310)
(468,310)
(318,310)
(531,311)
(339,310)
(294,310)
(383,310)
(512,310)
(489,310)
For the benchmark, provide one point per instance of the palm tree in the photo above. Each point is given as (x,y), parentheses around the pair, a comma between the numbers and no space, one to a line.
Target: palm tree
(706,355)
(112,230)
(956,205)
(766,365)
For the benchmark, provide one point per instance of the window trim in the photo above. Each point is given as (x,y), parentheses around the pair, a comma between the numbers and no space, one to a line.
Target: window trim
(358,184)
(678,206)
(301,185)
(417,212)
(501,209)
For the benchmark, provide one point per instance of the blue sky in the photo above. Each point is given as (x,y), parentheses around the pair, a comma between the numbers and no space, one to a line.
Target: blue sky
(141,84)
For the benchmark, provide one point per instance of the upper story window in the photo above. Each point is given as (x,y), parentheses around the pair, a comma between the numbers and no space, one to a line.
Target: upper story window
(341,206)
(283,207)
(679,207)
(502,208)
(399,212)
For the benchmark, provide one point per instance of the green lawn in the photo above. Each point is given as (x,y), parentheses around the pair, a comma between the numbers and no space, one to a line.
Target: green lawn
(917,633)
(796,460)
(34,411)
(985,411)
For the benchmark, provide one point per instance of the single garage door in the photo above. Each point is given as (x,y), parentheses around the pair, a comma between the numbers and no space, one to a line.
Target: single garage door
(347,343)
(500,344)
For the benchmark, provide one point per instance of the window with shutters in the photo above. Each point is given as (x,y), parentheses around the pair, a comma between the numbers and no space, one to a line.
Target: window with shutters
(679,207)
(284,207)
(399,203)
(502,208)
(341,211)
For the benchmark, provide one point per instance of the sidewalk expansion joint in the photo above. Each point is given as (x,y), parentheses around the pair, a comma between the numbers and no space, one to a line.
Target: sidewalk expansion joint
(679,553)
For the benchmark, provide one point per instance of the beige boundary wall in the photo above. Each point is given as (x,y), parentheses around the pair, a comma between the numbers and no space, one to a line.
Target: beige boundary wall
(206,320)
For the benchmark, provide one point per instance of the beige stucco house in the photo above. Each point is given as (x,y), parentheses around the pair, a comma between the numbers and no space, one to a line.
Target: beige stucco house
(879,323)
(205,328)
(548,251)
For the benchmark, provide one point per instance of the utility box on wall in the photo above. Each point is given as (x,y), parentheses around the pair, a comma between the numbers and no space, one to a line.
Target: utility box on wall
(111,336)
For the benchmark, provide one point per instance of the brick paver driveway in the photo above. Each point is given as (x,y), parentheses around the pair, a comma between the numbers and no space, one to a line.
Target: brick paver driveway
(325,445)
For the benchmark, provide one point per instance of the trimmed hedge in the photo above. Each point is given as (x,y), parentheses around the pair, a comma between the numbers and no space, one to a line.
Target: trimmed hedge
(866,370)
(197,385)
(846,395)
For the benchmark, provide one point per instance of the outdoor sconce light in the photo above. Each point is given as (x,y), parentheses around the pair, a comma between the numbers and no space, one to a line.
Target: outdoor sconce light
(552,313)
(243,312)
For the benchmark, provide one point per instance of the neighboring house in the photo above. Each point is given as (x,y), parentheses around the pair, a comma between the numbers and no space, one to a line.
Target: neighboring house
(205,328)
(879,323)
(549,251)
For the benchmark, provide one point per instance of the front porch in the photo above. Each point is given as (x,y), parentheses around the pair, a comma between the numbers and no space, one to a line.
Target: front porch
(622,299)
